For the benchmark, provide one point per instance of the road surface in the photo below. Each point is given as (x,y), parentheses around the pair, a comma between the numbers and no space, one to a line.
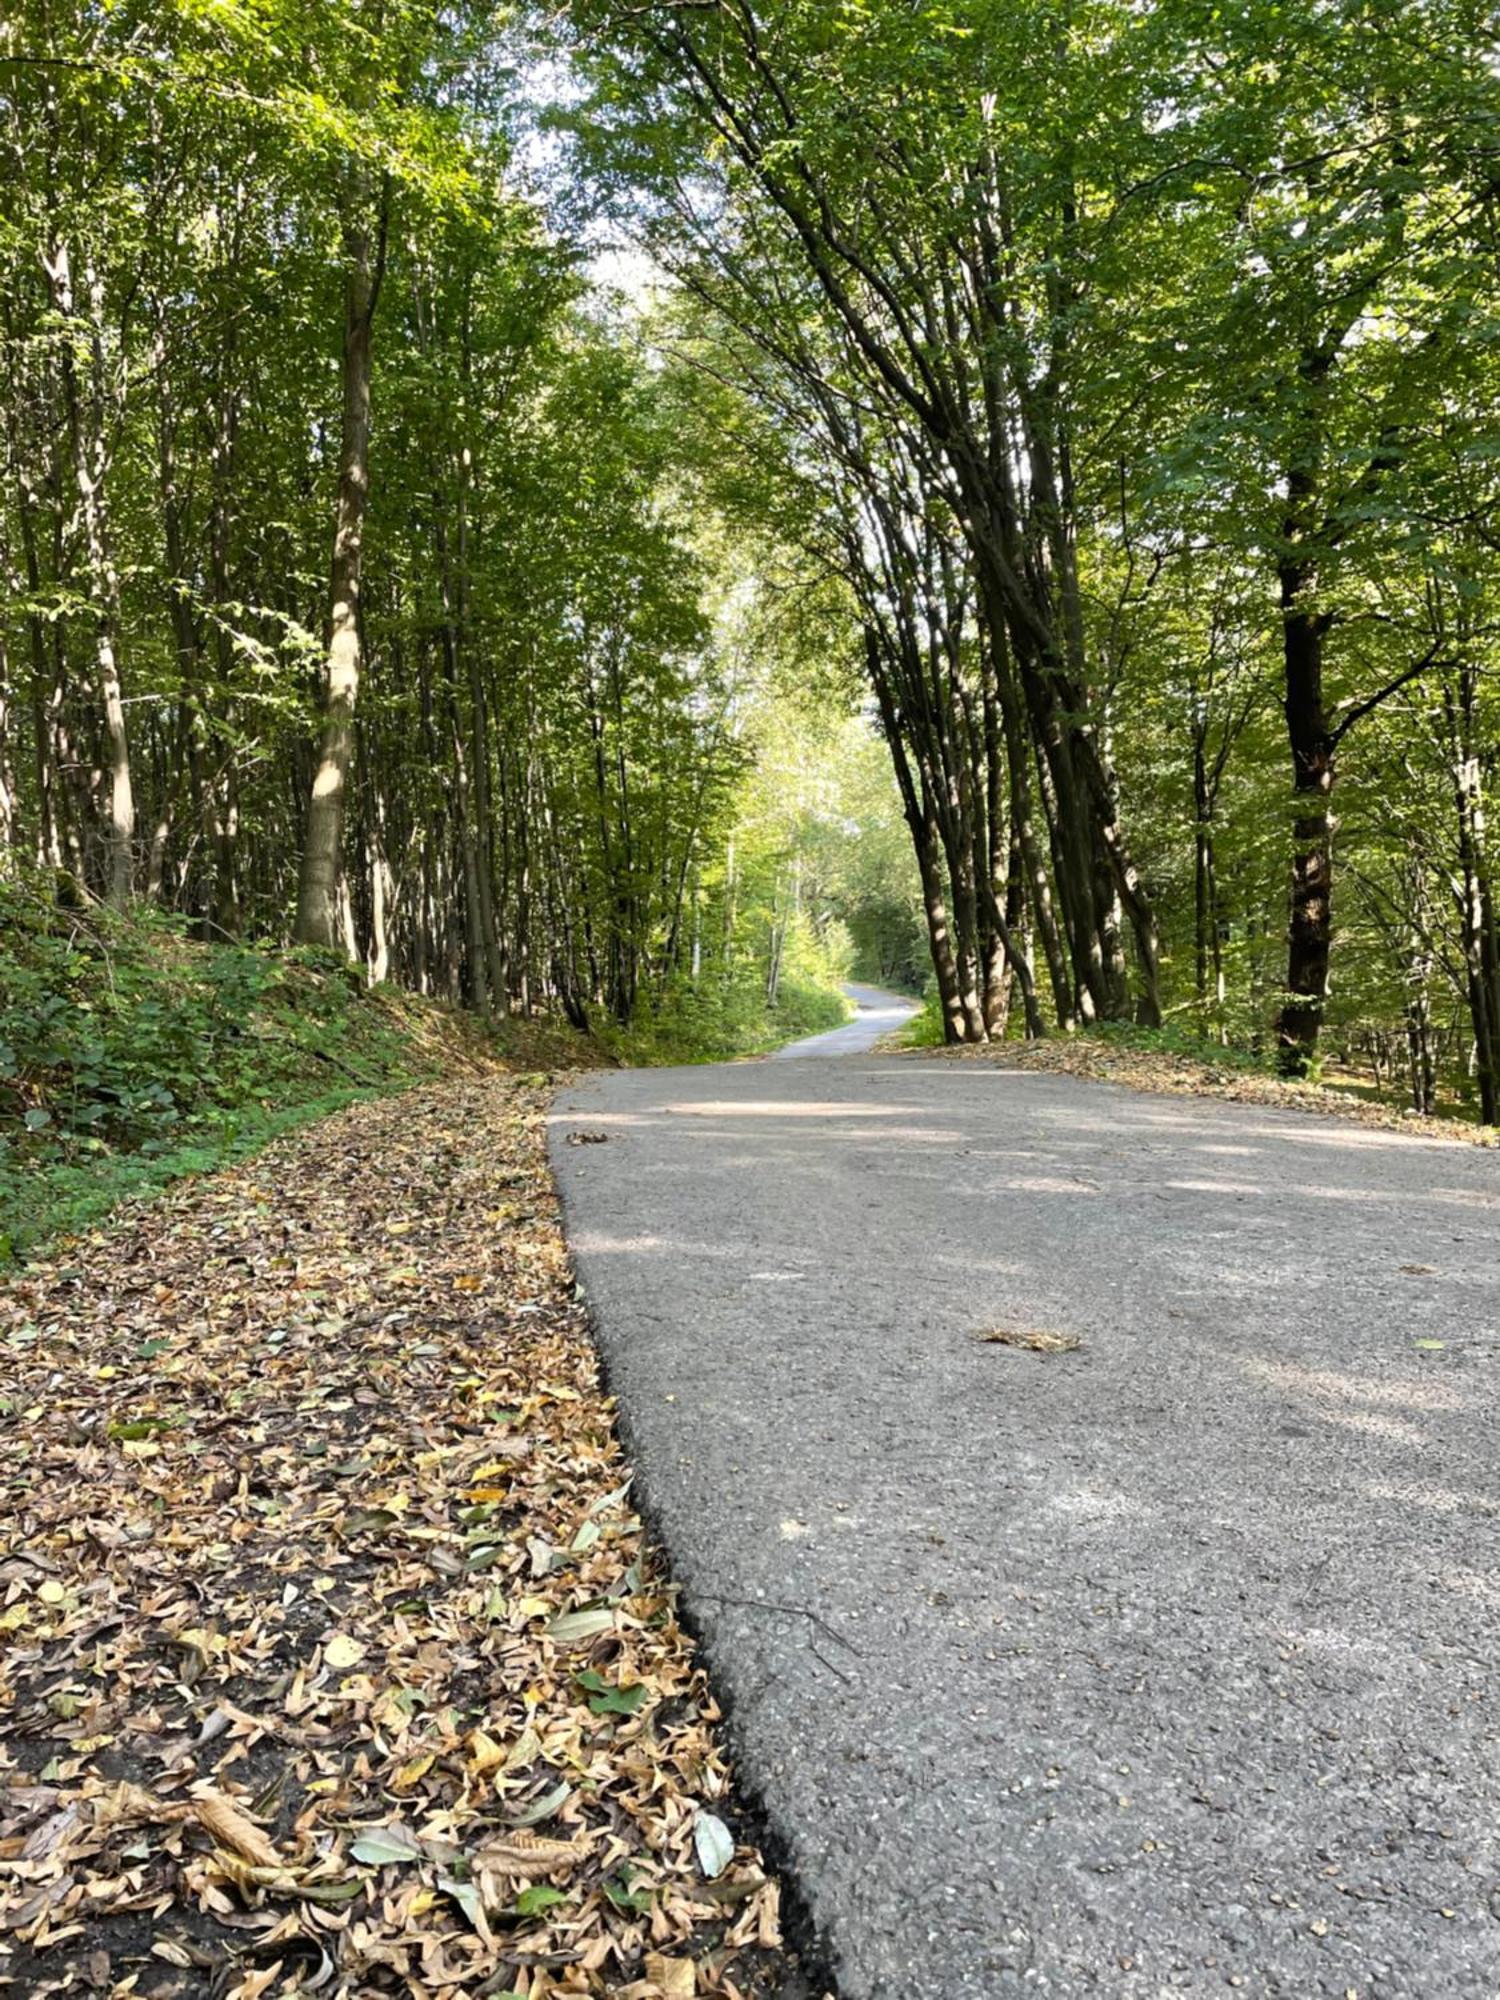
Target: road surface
(880,1013)
(1167,1665)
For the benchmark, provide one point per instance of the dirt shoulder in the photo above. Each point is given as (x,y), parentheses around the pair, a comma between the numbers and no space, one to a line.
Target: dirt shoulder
(1175,1075)
(334,1659)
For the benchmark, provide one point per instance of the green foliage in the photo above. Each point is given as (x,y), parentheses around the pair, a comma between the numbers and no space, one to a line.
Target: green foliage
(1176,1040)
(716,1021)
(925,1028)
(131,1055)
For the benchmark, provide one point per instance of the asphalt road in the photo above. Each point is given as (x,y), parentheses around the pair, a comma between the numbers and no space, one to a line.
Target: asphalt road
(880,1013)
(1164,1666)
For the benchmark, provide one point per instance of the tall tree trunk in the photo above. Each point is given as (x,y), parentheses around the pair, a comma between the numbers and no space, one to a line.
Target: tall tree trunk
(86,436)
(322,849)
(1476,906)
(1311,740)
(1208,966)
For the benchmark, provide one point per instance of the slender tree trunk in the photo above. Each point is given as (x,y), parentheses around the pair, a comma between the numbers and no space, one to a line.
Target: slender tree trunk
(1207,966)
(1311,741)
(322,851)
(1476,910)
(8,819)
(86,434)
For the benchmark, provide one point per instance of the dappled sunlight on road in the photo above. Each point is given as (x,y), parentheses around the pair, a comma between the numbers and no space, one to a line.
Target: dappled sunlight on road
(1226,1562)
(774,1107)
(1324,1384)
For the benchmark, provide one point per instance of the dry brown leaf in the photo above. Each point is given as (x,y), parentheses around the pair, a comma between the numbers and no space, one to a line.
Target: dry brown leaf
(231,1829)
(1035,1339)
(768,1917)
(674,1978)
(257,1982)
(485,1754)
(528,1854)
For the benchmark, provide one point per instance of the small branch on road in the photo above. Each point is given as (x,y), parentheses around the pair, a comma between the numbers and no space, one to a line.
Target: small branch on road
(791,1610)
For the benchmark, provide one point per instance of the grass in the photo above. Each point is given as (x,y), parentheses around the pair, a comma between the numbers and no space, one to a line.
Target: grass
(131,1056)
(925,1028)
(925,1031)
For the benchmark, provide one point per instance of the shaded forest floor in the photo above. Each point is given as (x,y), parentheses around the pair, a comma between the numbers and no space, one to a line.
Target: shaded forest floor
(334,1658)
(1174,1073)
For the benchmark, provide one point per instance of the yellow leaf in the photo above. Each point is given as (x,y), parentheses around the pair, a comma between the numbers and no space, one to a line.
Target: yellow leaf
(487,1492)
(485,1754)
(51,1592)
(412,1772)
(342,1651)
(533,1607)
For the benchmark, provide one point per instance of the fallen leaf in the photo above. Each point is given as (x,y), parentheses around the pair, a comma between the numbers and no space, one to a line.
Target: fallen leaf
(714,1843)
(676,1978)
(528,1854)
(231,1829)
(1036,1340)
(384,1846)
(485,1754)
(575,1625)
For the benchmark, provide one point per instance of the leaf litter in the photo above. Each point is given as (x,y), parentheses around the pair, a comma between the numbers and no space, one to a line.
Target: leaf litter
(1173,1073)
(334,1659)
(1034,1339)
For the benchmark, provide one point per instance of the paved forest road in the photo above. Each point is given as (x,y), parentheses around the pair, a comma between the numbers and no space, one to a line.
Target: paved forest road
(880,1013)
(1166,1666)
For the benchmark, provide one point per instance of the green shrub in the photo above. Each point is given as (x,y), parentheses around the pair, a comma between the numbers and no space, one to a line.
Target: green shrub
(717,1019)
(129,1053)
(925,1028)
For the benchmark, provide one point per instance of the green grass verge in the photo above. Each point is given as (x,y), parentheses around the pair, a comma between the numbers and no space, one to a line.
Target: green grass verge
(925,1031)
(130,1056)
(925,1028)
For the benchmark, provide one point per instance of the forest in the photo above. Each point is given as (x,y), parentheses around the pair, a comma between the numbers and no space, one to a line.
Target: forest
(628,513)
(544,552)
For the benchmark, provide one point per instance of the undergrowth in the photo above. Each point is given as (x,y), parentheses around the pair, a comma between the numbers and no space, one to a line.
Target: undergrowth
(130,1055)
(713,1022)
(925,1031)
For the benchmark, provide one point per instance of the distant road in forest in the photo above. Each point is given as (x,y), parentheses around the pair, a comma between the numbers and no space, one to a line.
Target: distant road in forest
(1161,1664)
(880,1013)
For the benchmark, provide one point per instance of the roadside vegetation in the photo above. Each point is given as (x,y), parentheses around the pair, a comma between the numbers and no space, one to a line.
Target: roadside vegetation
(132,1054)
(1181,1064)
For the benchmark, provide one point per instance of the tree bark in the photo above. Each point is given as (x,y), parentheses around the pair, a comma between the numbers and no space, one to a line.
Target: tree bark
(87,440)
(1314,768)
(322,850)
